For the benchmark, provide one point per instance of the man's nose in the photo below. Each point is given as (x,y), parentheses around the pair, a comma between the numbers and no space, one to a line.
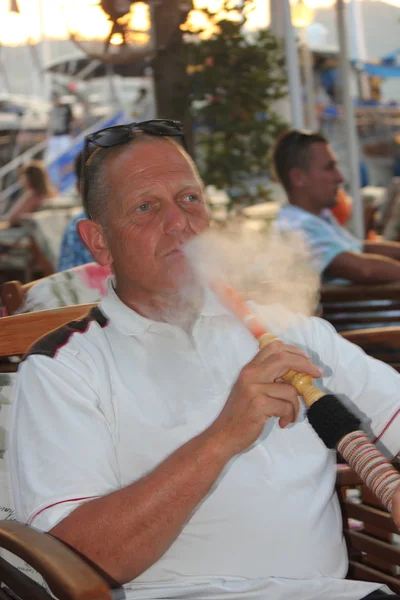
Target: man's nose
(339,176)
(175,218)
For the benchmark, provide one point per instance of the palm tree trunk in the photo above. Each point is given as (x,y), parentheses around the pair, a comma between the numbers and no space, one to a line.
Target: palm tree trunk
(169,66)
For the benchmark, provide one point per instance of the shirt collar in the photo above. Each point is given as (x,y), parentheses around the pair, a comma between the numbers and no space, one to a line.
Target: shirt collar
(130,322)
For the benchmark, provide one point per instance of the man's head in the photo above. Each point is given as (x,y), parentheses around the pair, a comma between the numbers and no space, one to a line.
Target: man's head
(307,168)
(146,201)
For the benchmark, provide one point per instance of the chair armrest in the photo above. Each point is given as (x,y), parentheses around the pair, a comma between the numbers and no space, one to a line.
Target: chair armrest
(68,576)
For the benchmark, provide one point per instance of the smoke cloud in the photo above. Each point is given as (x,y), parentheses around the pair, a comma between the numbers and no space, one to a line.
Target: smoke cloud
(266,268)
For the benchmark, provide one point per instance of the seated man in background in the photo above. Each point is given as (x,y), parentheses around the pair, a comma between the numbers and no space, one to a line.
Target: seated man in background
(307,168)
(73,251)
(160,441)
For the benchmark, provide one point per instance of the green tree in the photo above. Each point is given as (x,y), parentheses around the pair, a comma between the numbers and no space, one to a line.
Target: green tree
(237,77)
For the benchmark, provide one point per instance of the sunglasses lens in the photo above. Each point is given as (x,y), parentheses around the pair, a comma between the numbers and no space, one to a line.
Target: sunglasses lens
(111,137)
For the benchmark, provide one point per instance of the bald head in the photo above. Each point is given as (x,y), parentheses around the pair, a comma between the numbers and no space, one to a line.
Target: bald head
(99,184)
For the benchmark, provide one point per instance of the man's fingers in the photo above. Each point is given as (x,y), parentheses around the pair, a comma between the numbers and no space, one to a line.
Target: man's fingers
(276,348)
(278,365)
(278,400)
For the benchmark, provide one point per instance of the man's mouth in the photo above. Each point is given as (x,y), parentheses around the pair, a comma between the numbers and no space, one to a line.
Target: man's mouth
(178,250)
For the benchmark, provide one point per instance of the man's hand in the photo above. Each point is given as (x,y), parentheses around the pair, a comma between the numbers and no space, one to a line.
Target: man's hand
(396,507)
(259,393)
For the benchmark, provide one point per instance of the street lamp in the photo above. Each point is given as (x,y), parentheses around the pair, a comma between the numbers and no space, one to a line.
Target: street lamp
(302,17)
(302,14)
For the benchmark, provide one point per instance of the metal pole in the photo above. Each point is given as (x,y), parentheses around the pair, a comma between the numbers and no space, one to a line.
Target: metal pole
(293,70)
(359,48)
(3,71)
(350,130)
(311,117)
(282,106)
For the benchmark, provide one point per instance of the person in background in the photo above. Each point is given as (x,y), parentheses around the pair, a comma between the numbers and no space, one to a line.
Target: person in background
(307,168)
(73,251)
(37,190)
(61,127)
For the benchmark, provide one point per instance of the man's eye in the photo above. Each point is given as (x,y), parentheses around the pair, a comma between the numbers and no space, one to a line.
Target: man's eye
(191,198)
(143,207)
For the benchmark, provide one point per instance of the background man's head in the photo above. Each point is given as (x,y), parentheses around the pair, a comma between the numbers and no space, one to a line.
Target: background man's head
(146,201)
(307,168)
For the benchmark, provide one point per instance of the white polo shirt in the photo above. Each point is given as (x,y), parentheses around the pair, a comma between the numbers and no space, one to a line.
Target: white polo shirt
(102,402)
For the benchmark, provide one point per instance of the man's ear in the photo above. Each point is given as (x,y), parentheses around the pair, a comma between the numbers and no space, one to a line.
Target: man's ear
(93,236)
(297,177)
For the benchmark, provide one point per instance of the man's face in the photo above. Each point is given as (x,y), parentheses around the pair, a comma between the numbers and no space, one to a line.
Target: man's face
(157,205)
(321,180)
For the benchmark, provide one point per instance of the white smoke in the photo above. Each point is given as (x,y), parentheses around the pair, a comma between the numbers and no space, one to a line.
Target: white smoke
(266,268)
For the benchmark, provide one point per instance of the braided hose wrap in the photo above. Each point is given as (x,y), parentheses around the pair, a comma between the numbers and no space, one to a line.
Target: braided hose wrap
(376,472)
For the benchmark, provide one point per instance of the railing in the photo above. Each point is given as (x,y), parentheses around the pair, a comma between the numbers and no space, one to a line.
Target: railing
(37,150)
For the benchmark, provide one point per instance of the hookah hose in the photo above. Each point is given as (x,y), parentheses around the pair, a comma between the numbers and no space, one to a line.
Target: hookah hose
(331,420)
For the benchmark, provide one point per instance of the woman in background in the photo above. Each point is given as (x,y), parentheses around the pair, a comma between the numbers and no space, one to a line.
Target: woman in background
(37,190)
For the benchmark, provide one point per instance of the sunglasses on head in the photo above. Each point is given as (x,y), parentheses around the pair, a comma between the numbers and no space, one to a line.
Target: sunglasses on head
(122,134)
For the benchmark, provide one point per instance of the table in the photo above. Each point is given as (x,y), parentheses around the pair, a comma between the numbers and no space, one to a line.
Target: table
(35,245)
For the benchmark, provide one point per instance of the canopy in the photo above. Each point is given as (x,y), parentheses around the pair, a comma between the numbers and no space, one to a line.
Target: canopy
(388,66)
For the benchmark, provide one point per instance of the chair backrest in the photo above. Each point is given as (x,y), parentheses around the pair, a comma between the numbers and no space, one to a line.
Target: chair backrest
(18,332)
(369,531)
(12,294)
(360,306)
(79,285)
(382,343)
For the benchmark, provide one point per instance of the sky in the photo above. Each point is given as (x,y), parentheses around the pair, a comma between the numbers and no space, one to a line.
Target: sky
(57,13)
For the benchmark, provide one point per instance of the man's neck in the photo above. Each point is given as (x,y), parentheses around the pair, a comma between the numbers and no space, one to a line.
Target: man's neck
(179,307)
(305,203)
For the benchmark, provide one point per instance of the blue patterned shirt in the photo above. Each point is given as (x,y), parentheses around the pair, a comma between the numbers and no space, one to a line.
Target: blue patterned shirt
(73,251)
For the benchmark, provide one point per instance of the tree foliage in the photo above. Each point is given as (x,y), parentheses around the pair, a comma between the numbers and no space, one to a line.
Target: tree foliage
(237,77)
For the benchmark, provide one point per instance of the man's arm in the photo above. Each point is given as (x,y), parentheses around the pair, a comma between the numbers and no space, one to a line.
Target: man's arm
(384,248)
(364,268)
(151,512)
(128,530)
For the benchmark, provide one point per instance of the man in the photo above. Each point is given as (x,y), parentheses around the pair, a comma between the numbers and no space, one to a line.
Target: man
(73,251)
(307,168)
(61,127)
(155,438)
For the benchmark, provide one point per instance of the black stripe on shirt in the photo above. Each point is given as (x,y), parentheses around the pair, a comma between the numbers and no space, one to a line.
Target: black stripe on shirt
(49,344)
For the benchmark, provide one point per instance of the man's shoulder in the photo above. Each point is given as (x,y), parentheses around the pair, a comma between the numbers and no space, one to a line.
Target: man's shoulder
(50,344)
(294,217)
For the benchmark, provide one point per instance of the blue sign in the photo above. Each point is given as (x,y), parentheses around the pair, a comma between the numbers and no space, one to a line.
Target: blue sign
(61,169)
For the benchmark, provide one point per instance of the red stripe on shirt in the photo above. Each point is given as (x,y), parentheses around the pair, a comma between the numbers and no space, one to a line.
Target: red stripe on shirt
(386,426)
(60,502)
